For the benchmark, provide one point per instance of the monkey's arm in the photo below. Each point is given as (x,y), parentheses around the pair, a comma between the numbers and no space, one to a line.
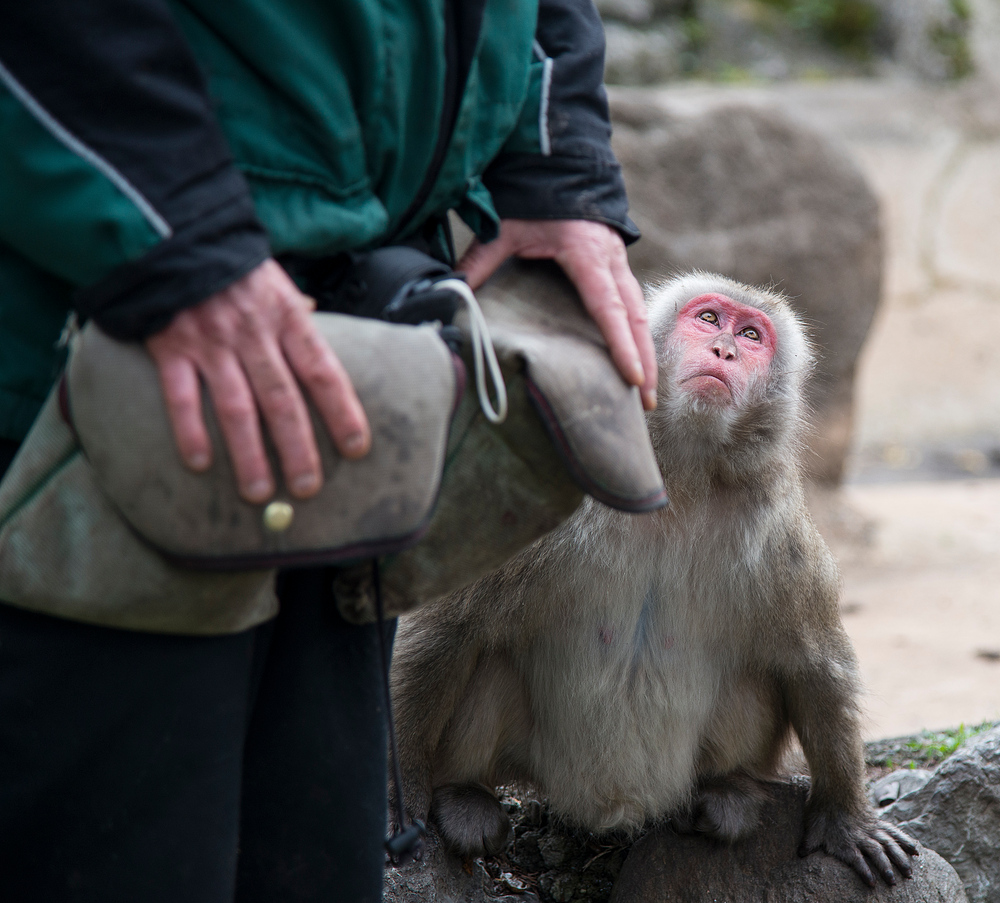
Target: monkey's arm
(433,661)
(821,694)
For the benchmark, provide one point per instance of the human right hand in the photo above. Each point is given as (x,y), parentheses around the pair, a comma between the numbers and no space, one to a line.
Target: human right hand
(592,255)
(250,342)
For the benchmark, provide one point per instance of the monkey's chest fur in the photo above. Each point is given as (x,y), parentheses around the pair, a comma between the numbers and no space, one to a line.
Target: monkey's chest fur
(638,689)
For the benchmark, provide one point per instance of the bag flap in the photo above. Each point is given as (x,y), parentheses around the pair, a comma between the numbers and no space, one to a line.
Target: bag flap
(592,415)
(408,382)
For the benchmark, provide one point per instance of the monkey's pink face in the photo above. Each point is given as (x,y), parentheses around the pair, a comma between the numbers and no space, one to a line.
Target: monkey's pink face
(723,345)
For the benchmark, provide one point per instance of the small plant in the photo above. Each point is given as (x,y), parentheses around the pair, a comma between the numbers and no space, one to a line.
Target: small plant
(932,747)
(925,750)
(848,25)
(951,39)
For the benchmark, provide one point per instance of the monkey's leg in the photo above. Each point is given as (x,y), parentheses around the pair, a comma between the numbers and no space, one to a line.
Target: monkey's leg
(726,807)
(433,661)
(822,704)
(483,745)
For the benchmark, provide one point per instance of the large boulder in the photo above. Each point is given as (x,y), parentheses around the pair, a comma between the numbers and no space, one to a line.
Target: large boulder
(746,192)
(665,867)
(957,813)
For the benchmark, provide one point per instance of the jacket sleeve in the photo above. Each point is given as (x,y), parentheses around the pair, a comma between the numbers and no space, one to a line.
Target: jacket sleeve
(114,173)
(559,163)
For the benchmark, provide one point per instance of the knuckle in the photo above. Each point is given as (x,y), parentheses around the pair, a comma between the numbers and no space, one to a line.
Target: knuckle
(279,399)
(231,408)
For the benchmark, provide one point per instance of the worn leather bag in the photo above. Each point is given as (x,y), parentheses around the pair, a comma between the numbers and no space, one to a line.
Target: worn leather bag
(100,521)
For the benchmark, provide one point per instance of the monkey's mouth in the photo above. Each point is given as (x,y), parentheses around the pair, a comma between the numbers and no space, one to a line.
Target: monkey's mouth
(708,376)
(709,387)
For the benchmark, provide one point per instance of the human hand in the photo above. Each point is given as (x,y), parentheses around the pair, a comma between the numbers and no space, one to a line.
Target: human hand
(593,256)
(249,343)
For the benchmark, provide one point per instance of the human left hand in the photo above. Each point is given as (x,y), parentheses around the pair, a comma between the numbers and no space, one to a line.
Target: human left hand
(592,255)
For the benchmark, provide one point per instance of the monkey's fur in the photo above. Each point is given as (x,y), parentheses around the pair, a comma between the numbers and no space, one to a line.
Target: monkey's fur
(637,666)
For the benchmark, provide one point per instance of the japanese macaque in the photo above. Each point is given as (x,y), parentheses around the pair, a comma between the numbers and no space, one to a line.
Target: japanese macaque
(634,667)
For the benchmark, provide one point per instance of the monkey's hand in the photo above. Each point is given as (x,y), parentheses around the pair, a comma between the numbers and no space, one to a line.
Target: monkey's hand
(868,844)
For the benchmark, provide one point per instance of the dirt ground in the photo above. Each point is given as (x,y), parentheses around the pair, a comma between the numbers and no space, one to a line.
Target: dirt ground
(921,601)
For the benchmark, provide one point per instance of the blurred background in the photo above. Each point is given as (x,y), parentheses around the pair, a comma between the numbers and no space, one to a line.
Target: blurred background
(848,151)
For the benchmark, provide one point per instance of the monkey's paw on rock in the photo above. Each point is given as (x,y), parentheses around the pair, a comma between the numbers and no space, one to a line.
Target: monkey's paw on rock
(665,867)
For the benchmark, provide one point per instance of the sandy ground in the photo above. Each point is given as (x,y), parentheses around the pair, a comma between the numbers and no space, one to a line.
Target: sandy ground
(921,602)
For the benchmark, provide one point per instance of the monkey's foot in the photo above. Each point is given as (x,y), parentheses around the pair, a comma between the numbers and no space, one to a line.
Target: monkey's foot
(470,819)
(867,844)
(726,808)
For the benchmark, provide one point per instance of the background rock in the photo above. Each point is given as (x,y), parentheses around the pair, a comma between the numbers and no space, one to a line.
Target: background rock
(749,193)
(736,40)
(928,37)
(957,813)
(664,866)
(896,784)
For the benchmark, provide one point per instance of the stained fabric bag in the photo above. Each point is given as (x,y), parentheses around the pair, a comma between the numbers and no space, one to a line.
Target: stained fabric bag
(100,521)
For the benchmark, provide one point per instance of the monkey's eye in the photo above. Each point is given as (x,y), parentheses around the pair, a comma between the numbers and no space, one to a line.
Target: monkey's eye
(751,333)
(709,316)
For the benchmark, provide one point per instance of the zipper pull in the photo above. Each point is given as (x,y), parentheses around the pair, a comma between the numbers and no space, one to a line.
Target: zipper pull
(70,330)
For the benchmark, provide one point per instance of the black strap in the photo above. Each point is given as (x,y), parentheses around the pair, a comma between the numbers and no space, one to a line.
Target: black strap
(407,843)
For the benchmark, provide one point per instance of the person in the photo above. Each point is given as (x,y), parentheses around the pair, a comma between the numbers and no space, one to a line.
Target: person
(159,159)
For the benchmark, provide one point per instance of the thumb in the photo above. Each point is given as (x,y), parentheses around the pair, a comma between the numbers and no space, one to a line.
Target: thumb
(480,261)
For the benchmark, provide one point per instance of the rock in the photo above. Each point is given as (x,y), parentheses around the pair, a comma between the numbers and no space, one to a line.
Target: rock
(751,194)
(664,866)
(635,12)
(643,55)
(897,784)
(957,813)
(555,849)
(929,37)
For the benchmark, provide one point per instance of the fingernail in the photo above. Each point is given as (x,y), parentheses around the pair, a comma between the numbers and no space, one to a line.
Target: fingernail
(198,461)
(305,485)
(649,399)
(354,444)
(638,374)
(258,491)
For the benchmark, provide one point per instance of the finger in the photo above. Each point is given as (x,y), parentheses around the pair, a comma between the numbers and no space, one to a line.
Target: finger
(284,412)
(901,837)
(635,305)
(329,386)
(480,261)
(233,402)
(876,855)
(599,293)
(182,395)
(852,856)
(899,857)
(895,849)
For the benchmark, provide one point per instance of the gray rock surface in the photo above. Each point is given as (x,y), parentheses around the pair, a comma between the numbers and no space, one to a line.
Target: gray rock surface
(664,866)
(957,813)
(897,784)
(749,193)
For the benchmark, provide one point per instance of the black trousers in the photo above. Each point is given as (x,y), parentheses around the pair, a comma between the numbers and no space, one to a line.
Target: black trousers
(142,768)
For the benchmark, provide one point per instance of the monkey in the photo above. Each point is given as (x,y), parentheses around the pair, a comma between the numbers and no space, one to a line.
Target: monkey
(638,667)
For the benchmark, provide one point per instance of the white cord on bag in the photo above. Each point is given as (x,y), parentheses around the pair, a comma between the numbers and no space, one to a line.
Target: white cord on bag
(482,345)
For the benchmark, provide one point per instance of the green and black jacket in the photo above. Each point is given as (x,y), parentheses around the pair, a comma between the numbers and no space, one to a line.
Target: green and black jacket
(152,152)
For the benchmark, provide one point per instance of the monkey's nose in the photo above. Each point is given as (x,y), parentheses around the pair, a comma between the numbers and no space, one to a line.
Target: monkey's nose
(726,350)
